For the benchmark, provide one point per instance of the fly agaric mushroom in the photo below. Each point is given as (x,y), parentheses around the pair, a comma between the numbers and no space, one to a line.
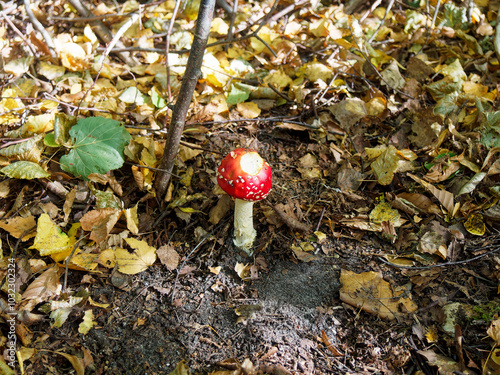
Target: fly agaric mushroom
(245,176)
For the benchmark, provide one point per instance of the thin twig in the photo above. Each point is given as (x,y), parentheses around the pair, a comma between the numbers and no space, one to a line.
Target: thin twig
(231,25)
(289,9)
(435,14)
(167,47)
(133,18)
(41,29)
(497,37)
(382,22)
(18,32)
(446,264)
(102,31)
(369,11)
(66,268)
(88,19)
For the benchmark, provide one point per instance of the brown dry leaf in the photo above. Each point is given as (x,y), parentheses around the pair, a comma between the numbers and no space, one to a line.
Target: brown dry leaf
(308,167)
(41,289)
(168,256)
(421,202)
(68,203)
(16,226)
(4,188)
(444,364)
(370,292)
(220,209)
(348,112)
(100,222)
(335,352)
(494,331)
(304,252)
(433,243)
(443,196)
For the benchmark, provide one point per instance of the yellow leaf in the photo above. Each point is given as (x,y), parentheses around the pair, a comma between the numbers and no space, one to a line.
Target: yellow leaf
(432,334)
(107,258)
(16,226)
(370,292)
(384,212)
(137,261)
(248,110)
(475,224)
(219,26)
(50,71)
(88,322)
(49,238)
(132,220)
(73,57)
(278,78)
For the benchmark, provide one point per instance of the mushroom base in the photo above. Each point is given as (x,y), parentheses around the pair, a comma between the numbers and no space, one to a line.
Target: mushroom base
(244,233)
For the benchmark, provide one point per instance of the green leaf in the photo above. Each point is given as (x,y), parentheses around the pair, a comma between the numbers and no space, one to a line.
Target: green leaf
(156,98)
(98,145)
(455,17)
(133,95)
(23,150)
(239,93)
(50,140)
(26,170)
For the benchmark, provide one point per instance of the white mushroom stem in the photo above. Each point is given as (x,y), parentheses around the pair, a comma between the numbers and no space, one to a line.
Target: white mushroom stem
(244,233)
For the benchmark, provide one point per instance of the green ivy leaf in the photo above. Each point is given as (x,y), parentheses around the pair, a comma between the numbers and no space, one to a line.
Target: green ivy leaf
(98,145)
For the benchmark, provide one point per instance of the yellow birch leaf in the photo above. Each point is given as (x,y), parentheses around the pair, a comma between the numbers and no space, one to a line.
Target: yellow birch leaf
(137,261)
(49,238)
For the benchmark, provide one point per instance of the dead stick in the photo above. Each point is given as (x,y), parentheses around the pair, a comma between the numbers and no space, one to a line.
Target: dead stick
(41,29)
(102,31)
(189,81)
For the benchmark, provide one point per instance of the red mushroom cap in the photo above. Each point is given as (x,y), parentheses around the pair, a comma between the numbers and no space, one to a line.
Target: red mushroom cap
(243,174)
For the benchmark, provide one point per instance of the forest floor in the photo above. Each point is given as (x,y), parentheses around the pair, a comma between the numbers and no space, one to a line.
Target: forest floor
(377,247)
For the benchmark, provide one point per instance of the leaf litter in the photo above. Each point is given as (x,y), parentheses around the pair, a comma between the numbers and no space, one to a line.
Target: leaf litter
(376,246)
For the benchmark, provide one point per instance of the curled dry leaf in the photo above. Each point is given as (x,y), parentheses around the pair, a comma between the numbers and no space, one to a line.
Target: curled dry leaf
(100,222)
(41,289)
(444,197)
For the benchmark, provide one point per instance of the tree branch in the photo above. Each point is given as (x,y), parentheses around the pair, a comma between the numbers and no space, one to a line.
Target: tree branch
(189,81)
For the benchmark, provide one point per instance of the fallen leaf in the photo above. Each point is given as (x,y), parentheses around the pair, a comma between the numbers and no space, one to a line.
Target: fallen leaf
(137,261)
(168,256)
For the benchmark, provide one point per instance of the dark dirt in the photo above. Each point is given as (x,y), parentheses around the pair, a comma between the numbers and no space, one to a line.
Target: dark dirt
(156,319)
